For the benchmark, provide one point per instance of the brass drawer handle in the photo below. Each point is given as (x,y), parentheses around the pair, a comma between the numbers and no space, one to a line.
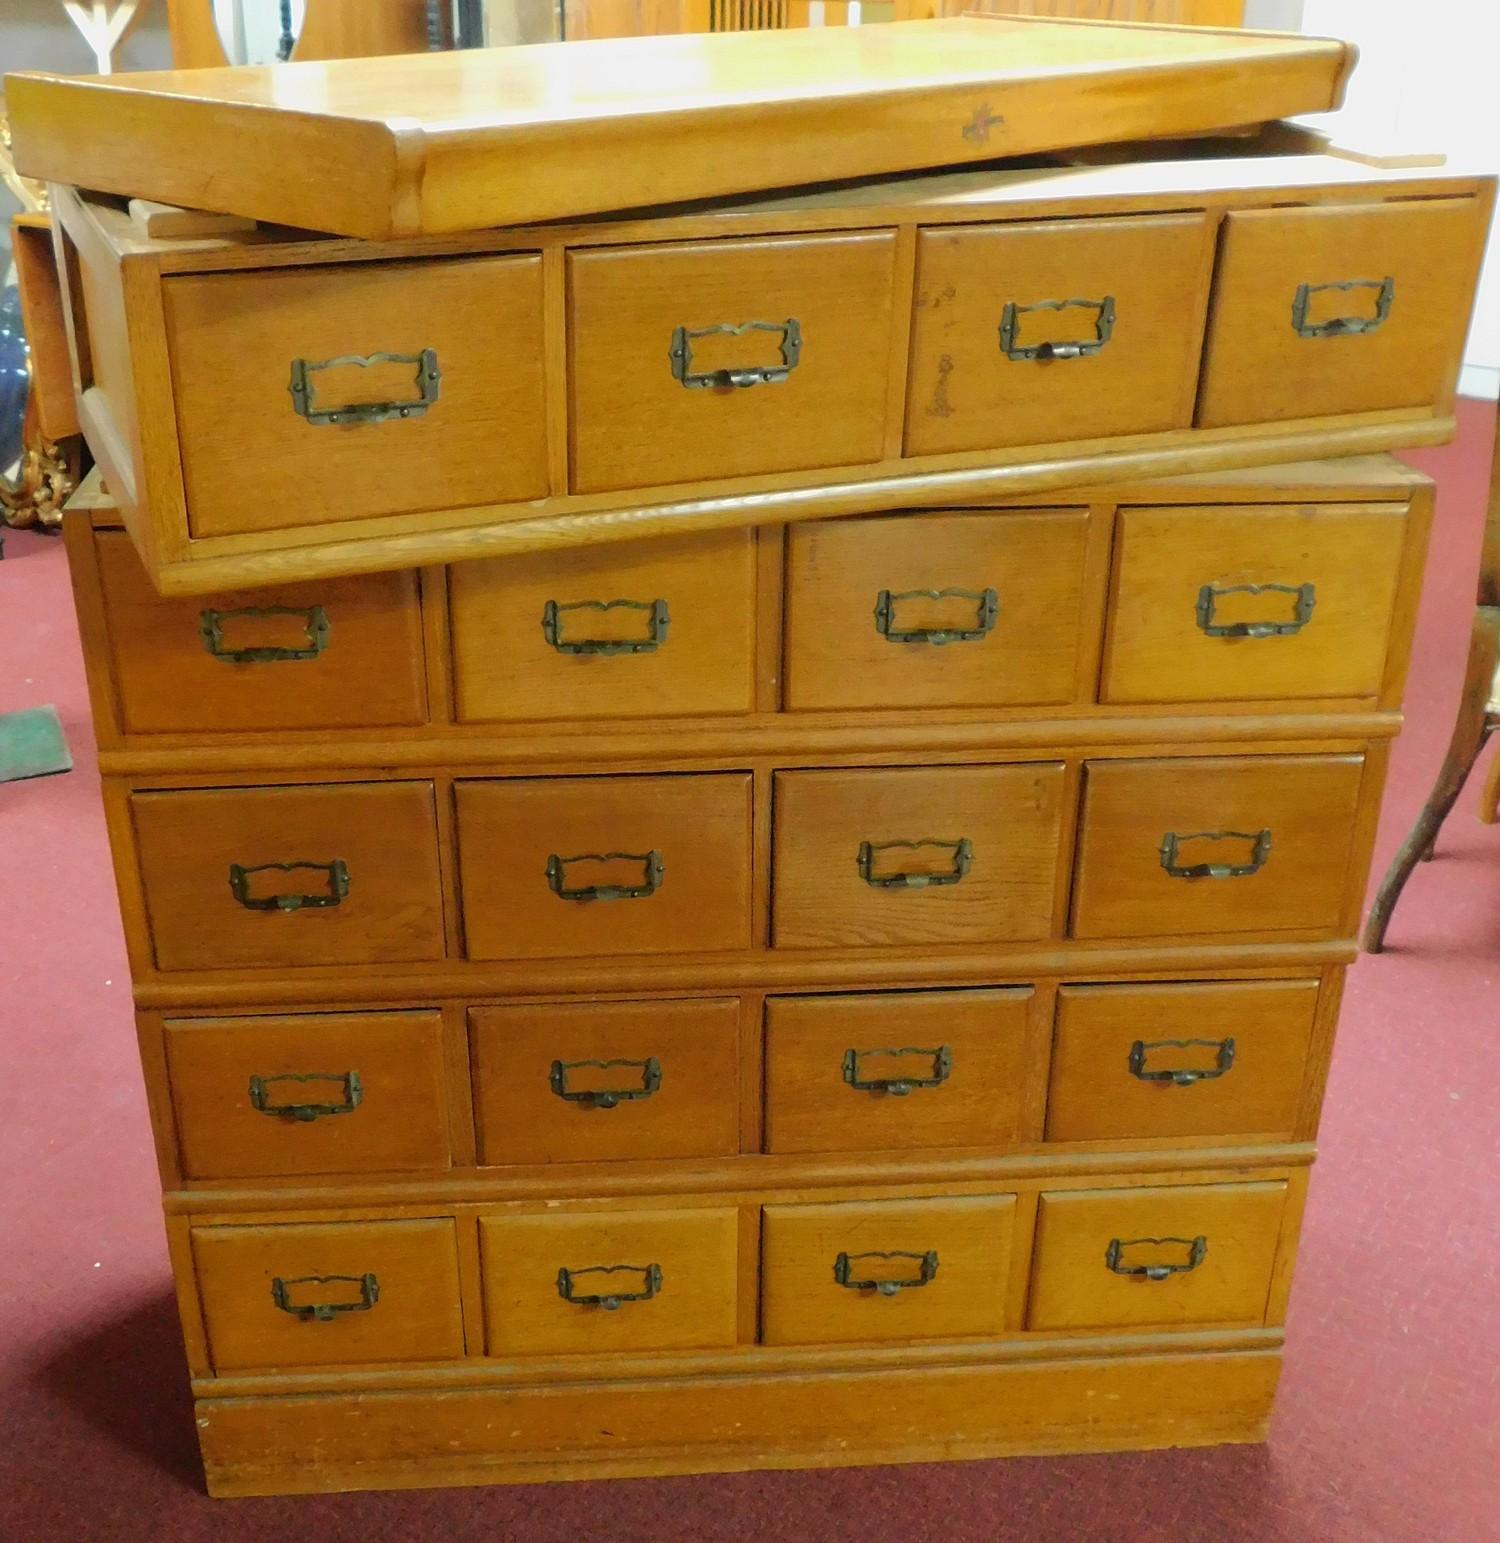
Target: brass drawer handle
(338,886)
(1104,326)
(940,1061)
(657,620)
(1197,1252)
(987,605)
(325,1312)
(352,1096)
(681,355)
(963,856)
(650,1285)
(1302,609)
(605,1098)
(652,869)
(314,620)
(1172,842)
(426,379)
(1181,1076)
(850,1271)
(1342,326)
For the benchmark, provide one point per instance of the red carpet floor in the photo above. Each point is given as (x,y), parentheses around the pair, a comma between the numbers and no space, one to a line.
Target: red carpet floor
(1388,1426)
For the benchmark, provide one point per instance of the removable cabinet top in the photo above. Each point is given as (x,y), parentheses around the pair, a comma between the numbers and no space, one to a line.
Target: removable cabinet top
(443,142)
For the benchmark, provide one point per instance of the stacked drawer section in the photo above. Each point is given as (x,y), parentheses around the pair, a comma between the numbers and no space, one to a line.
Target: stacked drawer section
(359,1093)
(687,1274)
(1022,610)
(743,951)
(1171,322)
(864,859)
(526,390)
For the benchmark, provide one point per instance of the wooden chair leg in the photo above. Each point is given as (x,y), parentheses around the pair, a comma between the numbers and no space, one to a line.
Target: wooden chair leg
(1470,731)
(1489,796)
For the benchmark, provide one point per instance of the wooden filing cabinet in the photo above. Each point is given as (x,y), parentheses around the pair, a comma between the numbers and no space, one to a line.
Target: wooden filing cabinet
(719,871)
(856,991)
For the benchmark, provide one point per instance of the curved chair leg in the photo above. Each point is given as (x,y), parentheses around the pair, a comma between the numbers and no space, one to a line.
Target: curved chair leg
(1471,729)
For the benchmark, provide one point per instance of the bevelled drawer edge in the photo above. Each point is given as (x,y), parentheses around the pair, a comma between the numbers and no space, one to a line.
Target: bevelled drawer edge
(448,536)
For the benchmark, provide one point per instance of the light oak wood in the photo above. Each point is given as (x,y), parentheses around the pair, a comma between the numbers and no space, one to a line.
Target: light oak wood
(366,1090)
(803,1302)
(1009,815)
(634,423)
(694,1186)
(40,289)
(384,834)
(1072,1287)
(967,393)
(603,832)
(445,142)
(694,1305)
(492,531)
(1257,366)
(1194,13)
(172,222)
(1097,1093)
(406,1440)
(648,1368)
(355,29)
(750,1181)
(1307,804)
(367,672)
(976,1041)
(508,668)
(184,557)
(692,1111)
(331,29)
(414,1317)
(838,657)
(1159,648)
(483,438)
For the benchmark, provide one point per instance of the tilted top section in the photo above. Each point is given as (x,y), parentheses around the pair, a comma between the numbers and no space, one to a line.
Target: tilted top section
(434,143)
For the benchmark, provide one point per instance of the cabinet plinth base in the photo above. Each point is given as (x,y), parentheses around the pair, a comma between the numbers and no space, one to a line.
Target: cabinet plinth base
(400,1440)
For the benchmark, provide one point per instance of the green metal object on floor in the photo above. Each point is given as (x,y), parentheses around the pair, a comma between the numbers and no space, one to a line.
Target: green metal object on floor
(32,744)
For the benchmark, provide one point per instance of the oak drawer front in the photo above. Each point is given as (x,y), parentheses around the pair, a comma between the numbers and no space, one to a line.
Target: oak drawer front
(1207,1058)
(1250,602)
(900,1070)
(1164,1258)
(559,867)
(1215,844)
(343,873)
(885,1270)
(934,610)
(940,854)
(308,1094)
(638,630)
(329,1293)
(339,653)
(1339,309)
(715,359)
(591,1282)
(1056,330)
(357,390)
(607,1081)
